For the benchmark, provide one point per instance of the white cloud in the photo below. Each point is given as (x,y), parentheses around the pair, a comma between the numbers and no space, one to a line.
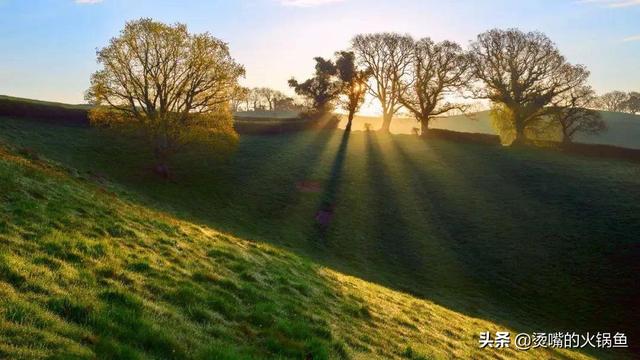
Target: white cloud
(612,3)
(632,38)
(87,1)
(307,3)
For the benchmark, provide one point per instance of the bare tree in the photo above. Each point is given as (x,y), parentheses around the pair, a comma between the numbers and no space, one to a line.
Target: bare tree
(571,114)
(632,104)
(353,84)
(238,97)
(521,73)
(255,98)
(272,97)
(169,83)
(437,70)
(613,101)
(388,56)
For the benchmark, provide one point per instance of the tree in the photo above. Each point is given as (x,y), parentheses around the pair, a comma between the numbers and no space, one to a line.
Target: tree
(353,84)
(613,101)
(521,73)
(437,69)
(571,114)
(238,97)
(255,98)
(388,56)
(632,104)
(271,96)
(322,89)
(172,85)
(288,104)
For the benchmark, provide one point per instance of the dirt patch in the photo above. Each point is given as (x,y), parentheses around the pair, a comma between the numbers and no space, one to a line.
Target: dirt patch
(309,186)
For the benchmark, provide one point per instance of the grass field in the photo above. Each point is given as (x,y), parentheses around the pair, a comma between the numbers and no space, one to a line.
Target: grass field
(459,238)
(623,129)
(45,103)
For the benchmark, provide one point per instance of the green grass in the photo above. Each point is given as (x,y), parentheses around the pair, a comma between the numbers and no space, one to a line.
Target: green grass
(101,257)
(623,129)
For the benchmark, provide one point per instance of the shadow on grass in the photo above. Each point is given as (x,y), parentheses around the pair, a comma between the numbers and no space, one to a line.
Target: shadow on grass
(500,220)
(562,262)
(329,198)
(395,242)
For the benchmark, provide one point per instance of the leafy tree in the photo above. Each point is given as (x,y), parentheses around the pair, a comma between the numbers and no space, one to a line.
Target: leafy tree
(521,73)
(613,101)
(171,85)
(353,84)
(437,69)
(322,89)
(388,56)
(632,104)
(570,113)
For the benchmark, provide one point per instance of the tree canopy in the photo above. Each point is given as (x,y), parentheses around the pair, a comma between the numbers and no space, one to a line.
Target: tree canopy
(353,84)
(166,81)
(388,56)
(437,70)
(571,113)
(322,89)
(521,73)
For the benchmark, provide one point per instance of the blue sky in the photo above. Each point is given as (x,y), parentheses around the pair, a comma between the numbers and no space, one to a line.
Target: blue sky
(47,47)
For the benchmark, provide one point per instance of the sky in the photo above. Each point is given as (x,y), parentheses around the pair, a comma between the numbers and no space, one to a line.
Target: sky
(47,47)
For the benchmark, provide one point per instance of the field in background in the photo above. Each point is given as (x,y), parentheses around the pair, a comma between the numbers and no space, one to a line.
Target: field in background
(529,240)
(624,129)
(266,115)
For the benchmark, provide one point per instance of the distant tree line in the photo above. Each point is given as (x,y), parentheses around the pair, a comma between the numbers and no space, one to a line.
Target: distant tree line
(618,101)
(175,88)
(533,90)
(263,99)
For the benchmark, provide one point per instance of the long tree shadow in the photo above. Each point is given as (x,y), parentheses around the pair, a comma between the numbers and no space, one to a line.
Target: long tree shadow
(473,225)
(329,197)
(454,231)
(395,248)
(565,274)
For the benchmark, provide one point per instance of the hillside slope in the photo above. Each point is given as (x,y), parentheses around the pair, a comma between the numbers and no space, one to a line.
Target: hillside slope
(44,103)
(86,272)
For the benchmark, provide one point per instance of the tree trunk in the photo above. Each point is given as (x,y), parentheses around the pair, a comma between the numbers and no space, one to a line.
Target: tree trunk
(520,138)
(424,127)
(161,155)
(350,121)
(386,123)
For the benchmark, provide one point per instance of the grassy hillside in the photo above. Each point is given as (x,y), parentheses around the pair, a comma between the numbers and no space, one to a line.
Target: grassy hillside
(87,272)
(479,236)
(623,131)
(44,111)
(45,103)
